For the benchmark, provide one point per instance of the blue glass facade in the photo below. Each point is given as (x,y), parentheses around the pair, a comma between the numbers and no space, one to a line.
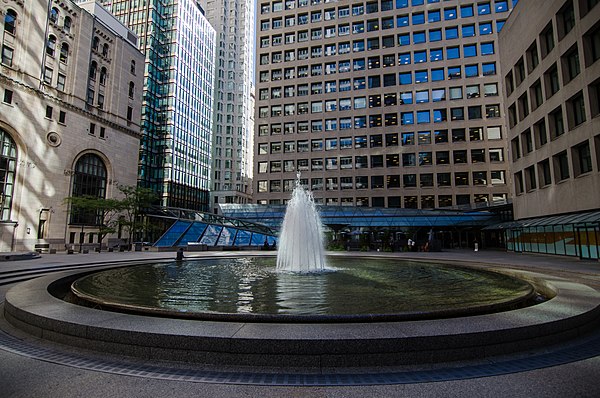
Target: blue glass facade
(175,149)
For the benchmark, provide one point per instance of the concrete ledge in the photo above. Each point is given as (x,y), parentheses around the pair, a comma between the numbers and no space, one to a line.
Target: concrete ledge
(573,311)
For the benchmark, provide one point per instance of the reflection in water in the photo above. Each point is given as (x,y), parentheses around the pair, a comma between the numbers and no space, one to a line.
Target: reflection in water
(302,294)
(251,285)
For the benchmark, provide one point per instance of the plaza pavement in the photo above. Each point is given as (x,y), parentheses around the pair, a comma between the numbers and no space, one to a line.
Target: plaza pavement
(23,376)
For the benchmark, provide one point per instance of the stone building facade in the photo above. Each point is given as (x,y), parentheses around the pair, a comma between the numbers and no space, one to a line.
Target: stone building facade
(551,68)
(70,97)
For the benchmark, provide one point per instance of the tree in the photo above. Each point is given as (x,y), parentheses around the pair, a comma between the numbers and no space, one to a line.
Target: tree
(93,211)
(135,201)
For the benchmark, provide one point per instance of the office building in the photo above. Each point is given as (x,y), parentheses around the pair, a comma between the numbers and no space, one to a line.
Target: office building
(179,46)
(233,110)
(69,118)
(551,69)
(390,103)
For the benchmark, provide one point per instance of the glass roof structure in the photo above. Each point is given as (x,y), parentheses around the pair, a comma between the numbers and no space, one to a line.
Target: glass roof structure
(563,219)
(194,227)
(354,217)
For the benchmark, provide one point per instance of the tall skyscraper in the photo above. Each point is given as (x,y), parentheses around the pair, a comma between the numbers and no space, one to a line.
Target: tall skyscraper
(179,45)
(234,110)
(390,103)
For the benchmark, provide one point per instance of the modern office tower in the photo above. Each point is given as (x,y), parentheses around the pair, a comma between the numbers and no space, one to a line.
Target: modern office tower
(550,64)
(179,45)
(69,118)
(233,110)
(390,103)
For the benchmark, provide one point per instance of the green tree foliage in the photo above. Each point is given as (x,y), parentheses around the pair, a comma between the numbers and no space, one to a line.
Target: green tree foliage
(135,201)
(99,212)
(108,214)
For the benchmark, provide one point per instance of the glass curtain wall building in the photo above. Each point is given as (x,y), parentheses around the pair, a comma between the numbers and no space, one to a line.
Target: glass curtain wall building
(179,45)
(388,103)
(233,110)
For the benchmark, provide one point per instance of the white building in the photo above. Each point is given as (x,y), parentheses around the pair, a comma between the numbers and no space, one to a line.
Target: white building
(234,105)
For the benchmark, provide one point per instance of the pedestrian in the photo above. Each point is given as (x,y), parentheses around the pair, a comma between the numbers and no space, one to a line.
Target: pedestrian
(179,254)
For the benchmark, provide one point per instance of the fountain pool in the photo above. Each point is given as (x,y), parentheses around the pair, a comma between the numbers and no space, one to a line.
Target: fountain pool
(356,289)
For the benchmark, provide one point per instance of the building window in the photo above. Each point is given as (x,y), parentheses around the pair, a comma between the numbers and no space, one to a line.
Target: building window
(570,62)
(8,166)
(51,45)
(532,57)
(48,73)
(48,112)
(576,110)
(64,53)
(129,113)
(93,70)
(544,173)
(60,82)
(547,40)
(62,117)
(90,179)
(103,76)
(105,49)
(131,90)
(591,42)
(7,55)
(527,141)
(519,183)
(556,123)
(594,92)
(8,95)
(582,158)
(54,15)
(541,136)
(10,22)
(561,166)
(67,25)
(551,81)
(566,19)
(523,106)
(530,178)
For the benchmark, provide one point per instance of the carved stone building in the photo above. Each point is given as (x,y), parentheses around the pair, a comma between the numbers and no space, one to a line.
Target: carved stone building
(70,97)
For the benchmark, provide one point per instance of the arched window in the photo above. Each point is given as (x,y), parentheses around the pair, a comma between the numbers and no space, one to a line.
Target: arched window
(10,22)
(8,165)
(105,50)
(89,180)
(132,69)
(131,89)
(103,76)
(95,43)
(93,70)
(51,45)
(67,25)
(64,53)
(54,14)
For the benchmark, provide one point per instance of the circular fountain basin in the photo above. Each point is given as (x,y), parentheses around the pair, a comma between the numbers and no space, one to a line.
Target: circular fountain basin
(352,290)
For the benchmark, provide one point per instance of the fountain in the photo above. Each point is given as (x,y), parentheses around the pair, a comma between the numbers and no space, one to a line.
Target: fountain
(301,240)
(260,310)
